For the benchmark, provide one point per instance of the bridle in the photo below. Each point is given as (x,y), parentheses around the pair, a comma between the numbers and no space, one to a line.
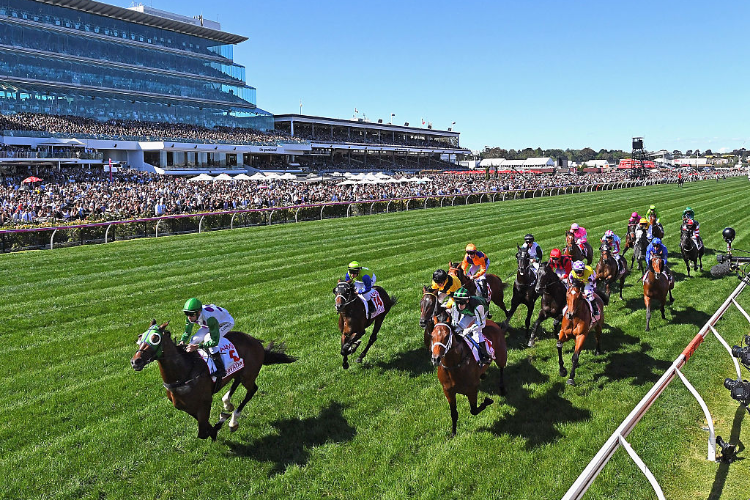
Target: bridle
(434,304)
(447,347)
(343,297)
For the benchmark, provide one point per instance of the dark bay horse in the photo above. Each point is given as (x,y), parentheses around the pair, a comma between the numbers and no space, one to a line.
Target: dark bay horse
(458,371)
(607,270)
(657,230)
(188,383)
(524,291)
(629,239)
(576,324)
(639,251)
(575,253)
(353,319)
(690,252)
(552,291)
(429,306)
(494,283)
(656,287)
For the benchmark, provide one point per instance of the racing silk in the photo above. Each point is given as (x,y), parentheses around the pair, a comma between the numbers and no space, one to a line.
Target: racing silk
(587,275)
(451,285)
(580,235)
(562,267)
(696,229)
(658,250)
(615,246)
(478,260)
(214,319)
(633,221)
(650,212)
(473,316)
(535,251)
(365,284)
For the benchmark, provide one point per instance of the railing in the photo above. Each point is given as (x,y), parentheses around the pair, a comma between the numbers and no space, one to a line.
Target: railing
(617,438)
(103,232)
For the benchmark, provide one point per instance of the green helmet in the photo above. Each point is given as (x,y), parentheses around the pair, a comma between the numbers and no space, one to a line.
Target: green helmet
(193,305)
(461,296)
(355,266)
(688,210)
(652,207)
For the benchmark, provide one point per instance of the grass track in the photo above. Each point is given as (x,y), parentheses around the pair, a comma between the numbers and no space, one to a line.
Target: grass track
(79,423)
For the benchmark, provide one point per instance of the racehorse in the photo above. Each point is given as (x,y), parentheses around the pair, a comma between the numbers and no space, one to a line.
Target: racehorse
(353,318)
(639,252)
(574,251)
(576,323)
(608,271)
(657,230)
(429,306)
(656,287)
(494,284)
(458,371)
(629,239)
(690,252)
(523,288)
(187,380)
(552,291)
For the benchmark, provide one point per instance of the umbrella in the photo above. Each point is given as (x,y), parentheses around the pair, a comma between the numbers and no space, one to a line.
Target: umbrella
(31,179)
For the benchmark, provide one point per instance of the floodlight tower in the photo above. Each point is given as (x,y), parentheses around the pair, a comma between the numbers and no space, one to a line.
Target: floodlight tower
(639,155)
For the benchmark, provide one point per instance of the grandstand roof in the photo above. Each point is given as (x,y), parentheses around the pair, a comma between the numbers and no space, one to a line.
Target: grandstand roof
(363,124)
(123,14)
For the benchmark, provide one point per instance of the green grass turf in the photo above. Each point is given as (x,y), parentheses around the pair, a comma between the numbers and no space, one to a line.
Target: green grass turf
(78,422)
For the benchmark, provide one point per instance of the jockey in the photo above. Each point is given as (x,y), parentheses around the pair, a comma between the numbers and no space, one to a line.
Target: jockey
(633,222)
(613,242)
(657,249)
(652,211)
(579,233)
(688,214)
(469,319)
(693,228)
(533,249)
(362,285)
(475,266)
(560,264)
(584,274)
(213,323)
(445,285)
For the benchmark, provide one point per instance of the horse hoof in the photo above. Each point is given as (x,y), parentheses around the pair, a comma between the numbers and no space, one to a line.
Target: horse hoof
(232,429)
(570,381)
(345,365)
(532,343)
(563,372)
(229,407)
(358,360)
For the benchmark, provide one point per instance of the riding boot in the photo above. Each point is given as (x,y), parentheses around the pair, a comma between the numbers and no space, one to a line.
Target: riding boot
(371,308)
(220,371)
(594,309)
(484,355)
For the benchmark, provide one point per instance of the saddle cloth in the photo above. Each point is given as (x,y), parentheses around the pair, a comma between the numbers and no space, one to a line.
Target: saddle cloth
(475,352)
(379,306)
(232,361)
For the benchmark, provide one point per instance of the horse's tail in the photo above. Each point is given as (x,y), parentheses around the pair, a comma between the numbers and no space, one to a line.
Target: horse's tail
(275,355)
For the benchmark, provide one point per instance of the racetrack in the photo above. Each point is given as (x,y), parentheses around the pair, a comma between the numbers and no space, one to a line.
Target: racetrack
(78,422)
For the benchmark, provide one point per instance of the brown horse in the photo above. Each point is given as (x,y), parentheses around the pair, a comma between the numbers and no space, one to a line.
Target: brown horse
(187,381)
(657,230)
(458,371)
(629,239)
(656,287)
(608,271)
(574,251)
(353,319)
(494,284)
(429,306)
(690,251)
(576,323)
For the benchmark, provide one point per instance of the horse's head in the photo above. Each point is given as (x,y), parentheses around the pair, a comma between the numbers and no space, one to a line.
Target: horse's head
(150,345)
(573,297)
(345,294)
(545,276)
(454,269)
(570,238)
(427,306)
(522,258)
(657,264)
(442,337)
(604,249)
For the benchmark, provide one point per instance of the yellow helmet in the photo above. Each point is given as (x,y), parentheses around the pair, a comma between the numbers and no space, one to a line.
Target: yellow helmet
(643,221)
(471,247)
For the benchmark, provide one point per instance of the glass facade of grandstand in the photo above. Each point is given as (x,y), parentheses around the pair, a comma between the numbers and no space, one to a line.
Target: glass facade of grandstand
(66,61)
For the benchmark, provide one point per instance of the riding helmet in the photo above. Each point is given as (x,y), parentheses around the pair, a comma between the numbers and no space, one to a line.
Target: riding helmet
(574,227)
(652,207)
(461,296)
(355,266)
(643,221)
(193,305)
(656,241)
(529,238)
(609,234)
(439,276)
(578,266)
(635,215)
(471,247)
(555,253)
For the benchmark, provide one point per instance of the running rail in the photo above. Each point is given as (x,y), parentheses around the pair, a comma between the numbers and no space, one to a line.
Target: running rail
(617,439)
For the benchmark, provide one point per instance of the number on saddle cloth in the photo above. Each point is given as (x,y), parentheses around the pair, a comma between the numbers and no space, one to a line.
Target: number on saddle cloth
(232,361)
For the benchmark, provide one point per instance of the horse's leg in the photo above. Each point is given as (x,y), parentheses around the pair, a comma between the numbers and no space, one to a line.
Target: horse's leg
(537,324)
(228,406)
(427,338)
(472,396)
(687,265)
(580,339)
(233,424)
(563,371)
(514,303)
(647,301)
(529,312)
(373,338)
(663,302)
(345,362)
(451,396)
(501,385)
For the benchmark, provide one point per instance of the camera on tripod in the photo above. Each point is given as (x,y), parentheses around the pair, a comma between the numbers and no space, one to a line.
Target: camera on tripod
(728,263)
(739,390)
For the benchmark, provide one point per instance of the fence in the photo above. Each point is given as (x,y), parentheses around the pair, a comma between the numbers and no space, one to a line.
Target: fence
(617,438)
(103,232)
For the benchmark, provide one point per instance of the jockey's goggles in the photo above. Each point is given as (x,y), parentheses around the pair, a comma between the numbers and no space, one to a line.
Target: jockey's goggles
(471,252)
(191,313)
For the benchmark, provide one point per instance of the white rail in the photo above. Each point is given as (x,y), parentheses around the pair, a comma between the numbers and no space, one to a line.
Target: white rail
(617,438)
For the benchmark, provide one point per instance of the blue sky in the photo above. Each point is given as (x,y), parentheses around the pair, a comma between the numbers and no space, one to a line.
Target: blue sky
(549,74)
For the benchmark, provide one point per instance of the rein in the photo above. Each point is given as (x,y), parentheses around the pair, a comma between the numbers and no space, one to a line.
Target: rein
(448,347)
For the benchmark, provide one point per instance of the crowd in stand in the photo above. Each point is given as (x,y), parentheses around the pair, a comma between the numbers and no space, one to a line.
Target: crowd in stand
(75,194)
(74,126)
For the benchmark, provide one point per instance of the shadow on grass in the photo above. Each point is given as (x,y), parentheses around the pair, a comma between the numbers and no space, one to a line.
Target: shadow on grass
(295,438)
(690,316)
(536,418)
(636,365)
(723,469)
(415,362)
